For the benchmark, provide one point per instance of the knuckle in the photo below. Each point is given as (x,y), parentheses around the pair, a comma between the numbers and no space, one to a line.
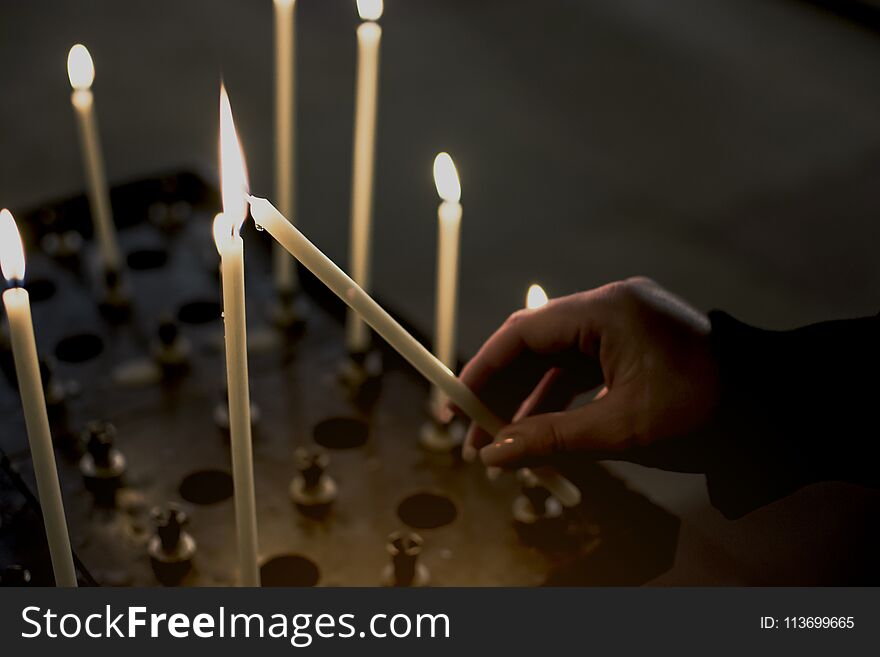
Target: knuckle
(622,294)
(628,296)
(640,281)
(515,318)
(553,439)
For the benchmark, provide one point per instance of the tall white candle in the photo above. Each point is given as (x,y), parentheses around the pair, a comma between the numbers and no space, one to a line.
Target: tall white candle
(285,144)
(266,216)
(33,401)
(81,72)
(369,36)
(231,247)
(446,301)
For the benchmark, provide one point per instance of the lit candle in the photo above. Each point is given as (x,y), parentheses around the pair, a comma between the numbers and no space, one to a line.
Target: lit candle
(233,183)
(369,34)
(267,217)
(81,72)
(285,57)
(535,298)
(448,231)
(30,387)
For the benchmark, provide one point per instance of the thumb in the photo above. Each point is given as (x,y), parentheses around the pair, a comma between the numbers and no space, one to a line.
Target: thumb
(599,426)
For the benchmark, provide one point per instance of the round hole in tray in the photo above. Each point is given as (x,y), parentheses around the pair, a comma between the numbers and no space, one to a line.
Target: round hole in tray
(144,259)
(40,289)
(341,433)
(206,487)
(426,510)
(199,312)
(79,348)
(289,570)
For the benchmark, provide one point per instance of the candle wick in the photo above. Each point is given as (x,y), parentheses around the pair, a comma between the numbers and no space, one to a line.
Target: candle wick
(14,283)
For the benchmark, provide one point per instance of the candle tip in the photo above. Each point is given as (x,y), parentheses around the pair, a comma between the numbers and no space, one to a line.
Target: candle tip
(224,229)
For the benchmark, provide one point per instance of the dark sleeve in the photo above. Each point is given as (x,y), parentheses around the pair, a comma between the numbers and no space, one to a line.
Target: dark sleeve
(798,407)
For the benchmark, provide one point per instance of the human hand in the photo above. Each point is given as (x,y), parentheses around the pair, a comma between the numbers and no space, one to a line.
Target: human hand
(647,348)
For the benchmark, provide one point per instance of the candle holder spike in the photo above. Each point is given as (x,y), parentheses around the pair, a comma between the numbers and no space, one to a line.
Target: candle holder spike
(115,306)
(103,465)
(405,569)
(171,549)
(312,490)
(171,351)
(361,375)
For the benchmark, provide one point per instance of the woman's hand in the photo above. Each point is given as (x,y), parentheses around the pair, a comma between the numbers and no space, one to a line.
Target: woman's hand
(646,350)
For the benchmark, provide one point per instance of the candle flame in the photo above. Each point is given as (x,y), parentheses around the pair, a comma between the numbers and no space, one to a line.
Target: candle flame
(536,297)
(233,173)
(80,68)
(11,248)
(370,10)
(446,178)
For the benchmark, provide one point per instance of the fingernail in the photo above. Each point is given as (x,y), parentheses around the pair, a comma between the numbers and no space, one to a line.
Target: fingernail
(501,451)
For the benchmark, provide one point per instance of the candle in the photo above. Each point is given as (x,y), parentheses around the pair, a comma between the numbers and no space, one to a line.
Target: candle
(369,34)
(33,401)
(285,274)
(81,72)
(233,183)
(535,298)
(267,217)
(448,230)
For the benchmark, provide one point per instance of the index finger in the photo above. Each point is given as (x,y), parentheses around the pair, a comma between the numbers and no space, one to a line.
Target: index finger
(531,342)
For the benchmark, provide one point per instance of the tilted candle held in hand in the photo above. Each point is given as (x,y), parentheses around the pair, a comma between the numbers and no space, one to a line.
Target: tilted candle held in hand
(81,72)
(267,217)
(448,231)
(30,387)
(233,182)
(369,35)
(285,142)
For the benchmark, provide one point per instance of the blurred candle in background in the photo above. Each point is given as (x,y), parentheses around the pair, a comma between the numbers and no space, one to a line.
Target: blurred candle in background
(446,300)
(369,35)
(233,186)
(536,297)
(285,142)
(81,72)
(33,401)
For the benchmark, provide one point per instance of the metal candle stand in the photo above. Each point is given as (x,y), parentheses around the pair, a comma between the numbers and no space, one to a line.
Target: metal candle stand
(338,458)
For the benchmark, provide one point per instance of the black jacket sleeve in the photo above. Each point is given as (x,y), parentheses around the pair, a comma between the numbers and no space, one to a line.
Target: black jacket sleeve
(798,407)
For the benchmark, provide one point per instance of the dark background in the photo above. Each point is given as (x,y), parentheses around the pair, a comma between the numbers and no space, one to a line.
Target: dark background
(728,148)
